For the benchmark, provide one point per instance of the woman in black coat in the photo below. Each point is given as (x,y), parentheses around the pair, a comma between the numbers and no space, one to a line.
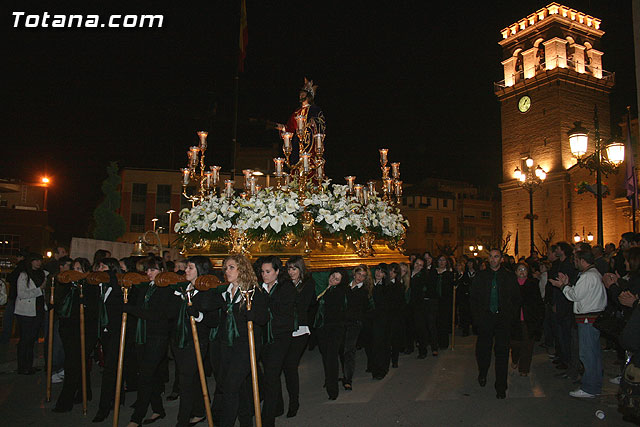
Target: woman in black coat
(281,296)
(329,323)
(305,298)
(67,304)
(396,304)
(528,324)
(204,310)
(232,399)
(440,293)
(380,344)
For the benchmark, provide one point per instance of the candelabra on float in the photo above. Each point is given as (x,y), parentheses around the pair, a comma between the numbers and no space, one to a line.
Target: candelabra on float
(206,180)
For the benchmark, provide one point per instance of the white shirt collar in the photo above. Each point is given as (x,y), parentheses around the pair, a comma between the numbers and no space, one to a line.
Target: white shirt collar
(266,287)
(357,285)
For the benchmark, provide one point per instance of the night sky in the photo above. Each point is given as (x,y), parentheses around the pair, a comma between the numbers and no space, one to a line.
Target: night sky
(416,77)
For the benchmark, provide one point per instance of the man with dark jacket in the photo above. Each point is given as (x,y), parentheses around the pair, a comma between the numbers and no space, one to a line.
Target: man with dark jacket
(495,297)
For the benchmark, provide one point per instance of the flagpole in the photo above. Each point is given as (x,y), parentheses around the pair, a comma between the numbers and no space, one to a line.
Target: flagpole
(242,46)
(633,172)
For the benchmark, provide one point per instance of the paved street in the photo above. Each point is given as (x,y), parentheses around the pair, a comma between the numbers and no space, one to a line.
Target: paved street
(436,392)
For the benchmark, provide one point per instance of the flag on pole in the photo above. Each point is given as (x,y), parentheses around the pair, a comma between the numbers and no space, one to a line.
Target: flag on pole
(516,244)
(630,182)
(244,36)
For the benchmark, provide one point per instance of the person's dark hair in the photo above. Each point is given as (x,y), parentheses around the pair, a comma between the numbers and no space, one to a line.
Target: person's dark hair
(566,248)
(65,259)
(446,259)
(553,248)
(414,262)
(395,267)
(99,256)
(113,264)
(202,263)
(130,263)
(424,254)
(298,262)
(170,265)
(632,255)
(495,250)
(343,275)
(586,256)
(523,264)
(598,251)
(384,268)
(153,263)
(629,236)
(276,263)
(474,264)
(84,264)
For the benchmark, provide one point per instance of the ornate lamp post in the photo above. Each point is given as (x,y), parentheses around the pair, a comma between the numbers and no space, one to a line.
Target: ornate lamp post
(170,212)
(605,160)
(530,179)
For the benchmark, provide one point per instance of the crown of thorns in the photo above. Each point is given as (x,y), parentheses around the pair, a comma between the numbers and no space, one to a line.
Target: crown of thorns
(309,87)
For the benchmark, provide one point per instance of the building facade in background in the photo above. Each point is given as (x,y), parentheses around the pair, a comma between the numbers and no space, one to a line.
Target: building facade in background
(553,77)
(450,216)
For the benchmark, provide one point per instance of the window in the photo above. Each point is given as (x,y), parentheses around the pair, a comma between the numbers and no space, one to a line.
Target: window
(137,222)
(445,203)
(163,196)
(425,202)
(429,224)
(485,214)
(139,193)
(9,244)
(445,225)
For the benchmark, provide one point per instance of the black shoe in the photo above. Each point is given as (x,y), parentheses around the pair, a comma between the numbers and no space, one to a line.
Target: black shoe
(61,410)
(333,397)
(500,394)
(562,366)
(482,380)
(153,420)
(394,365)
(293,410)
(422,356)
(173,396)
(100,416)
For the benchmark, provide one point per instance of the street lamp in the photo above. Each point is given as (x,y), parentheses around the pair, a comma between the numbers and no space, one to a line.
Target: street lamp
(530,179)
(170,212)
(605,160)
(154,220)
(45,183)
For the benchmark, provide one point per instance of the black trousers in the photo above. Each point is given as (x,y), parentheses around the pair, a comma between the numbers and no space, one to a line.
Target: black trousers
(110,346)
(70,336)
(380,346)
(191,400)
(273,356)
(493,333)
(445,315)
(233,397)
(29,330)
(329,340)
(463,303)
(297,347)
(410,330)
(426,318)
(152,358)
(397,335)
(348,349)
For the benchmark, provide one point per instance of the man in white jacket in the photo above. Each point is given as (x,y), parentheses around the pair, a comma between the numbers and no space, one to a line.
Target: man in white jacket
(589,298)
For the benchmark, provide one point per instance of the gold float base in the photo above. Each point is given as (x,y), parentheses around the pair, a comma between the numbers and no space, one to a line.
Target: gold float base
(319,255)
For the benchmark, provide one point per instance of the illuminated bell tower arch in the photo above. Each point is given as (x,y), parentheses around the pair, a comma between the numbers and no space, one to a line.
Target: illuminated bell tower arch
(553,76)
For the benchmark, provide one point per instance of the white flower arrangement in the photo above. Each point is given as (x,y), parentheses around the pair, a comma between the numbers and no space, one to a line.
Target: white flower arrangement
(272,213)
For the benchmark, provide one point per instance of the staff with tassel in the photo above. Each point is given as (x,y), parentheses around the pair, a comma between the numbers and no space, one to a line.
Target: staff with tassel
(50,342)
(126,281)
(248,297)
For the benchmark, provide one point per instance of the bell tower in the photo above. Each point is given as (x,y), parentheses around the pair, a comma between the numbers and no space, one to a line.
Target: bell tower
(553,77)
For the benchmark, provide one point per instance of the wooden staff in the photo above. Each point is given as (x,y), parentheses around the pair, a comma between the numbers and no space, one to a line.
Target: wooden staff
(202,283)
(126,281)
(453,320)
(50,343)
(248,296)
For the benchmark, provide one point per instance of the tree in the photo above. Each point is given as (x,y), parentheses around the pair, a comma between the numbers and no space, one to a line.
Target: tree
(109,224)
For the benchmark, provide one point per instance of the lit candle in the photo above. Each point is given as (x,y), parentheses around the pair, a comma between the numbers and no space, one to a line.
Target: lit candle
(365,196)
(279,161)
(247,175)
(372,187)
(258,188)
(216,174)
(208,179)
(350,180)
(300,122)
(194,155)
(388,185)
(319,140)
(358,190)
(228,188)
(398,185)
(395,170)
(185,176)
(287,179)
(320,172)
(286,137)
(203,139)
(252,185)
(305,161)
(383,156)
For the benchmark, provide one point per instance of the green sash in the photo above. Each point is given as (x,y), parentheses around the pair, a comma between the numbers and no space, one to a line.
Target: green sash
(141,327)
